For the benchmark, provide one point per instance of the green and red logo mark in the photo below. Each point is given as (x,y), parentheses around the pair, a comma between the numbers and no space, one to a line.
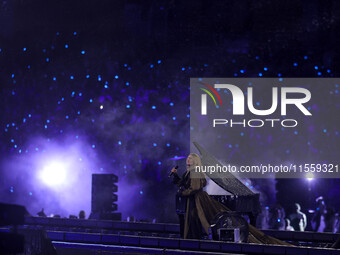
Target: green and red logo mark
(204,96)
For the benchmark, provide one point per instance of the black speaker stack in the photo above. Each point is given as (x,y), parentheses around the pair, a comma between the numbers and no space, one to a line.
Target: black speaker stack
(104,197)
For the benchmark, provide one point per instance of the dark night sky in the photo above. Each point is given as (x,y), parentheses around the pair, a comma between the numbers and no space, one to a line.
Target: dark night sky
(103,87)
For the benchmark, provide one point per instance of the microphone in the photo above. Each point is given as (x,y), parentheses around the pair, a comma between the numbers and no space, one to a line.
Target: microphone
(171,173)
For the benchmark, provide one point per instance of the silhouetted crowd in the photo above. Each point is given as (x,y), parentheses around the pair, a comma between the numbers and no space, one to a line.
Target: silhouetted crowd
(320,219)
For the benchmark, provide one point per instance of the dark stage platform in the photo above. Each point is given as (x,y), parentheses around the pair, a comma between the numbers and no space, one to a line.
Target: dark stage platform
(73,236)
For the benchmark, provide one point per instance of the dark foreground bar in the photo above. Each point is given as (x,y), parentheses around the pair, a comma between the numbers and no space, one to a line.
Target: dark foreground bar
(206,246)
(95,249)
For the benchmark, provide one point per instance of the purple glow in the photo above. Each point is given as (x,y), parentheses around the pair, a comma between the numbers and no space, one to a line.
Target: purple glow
(53,174)
(59,176)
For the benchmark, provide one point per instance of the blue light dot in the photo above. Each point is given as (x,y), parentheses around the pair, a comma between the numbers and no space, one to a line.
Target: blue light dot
(75,33)
(87,76)
(171,104)
(24,49)
(159,163)
(257,103)
(127,83)
(230,146)
(71,77)
(93,146)
(80,94)
(325,130)
(116,76)
(153,107)
(296,132)
(62,99)
(235,74)
(83,52)
(305,57)
(280,79)
(151,66)
(45,126)
(54,78)
(77,136)
(12,75)
(141,192)
(78,112)
(47,60)
(174,118)
(287,151)
(319,73)
(295,64)
(242,71)
(66,117)
(279,74)
(260,74)
(265,68)
(154,144)
(12,140)
(36,148)
(29,115)
(66,46)
(99,78)
(242,134)
(188,115)
(328,71)
(159,61)
(19,151)
(316,67)
(105,86)
(91,100)
(119,142)
(128,106)
(183,68)
(168,144)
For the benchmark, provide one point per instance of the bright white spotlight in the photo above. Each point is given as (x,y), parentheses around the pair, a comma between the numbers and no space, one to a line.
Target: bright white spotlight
(53,174)
(310,176)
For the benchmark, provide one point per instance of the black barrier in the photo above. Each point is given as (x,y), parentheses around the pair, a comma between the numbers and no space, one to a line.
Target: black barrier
(11,242)
(12,214)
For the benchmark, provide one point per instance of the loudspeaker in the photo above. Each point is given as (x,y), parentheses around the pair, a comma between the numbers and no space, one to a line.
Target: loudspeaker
(103,193)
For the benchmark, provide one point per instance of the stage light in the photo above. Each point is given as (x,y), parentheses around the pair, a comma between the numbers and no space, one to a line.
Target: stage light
(53,174)
(309,176)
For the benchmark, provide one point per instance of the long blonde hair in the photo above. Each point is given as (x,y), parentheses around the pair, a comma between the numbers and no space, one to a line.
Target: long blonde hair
(196,159)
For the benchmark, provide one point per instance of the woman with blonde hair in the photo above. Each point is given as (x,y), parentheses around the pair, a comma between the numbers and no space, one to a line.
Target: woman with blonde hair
(191,185)
(201,209)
